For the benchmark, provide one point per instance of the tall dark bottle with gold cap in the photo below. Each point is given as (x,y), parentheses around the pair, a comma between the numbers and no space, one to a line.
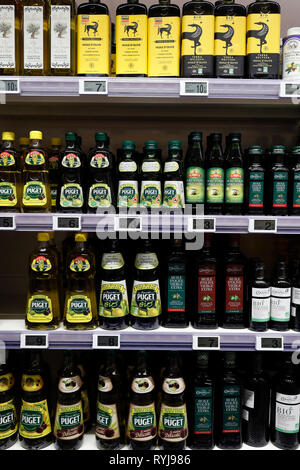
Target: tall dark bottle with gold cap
(10,177)
(197,49)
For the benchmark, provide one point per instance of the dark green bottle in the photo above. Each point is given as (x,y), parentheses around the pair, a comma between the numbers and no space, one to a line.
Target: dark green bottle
(280,298)
(278,182)
(151,176)
(195,170)
(234,177)
(259,298)
(173,177)
(215,176)
(255,182)
(295,182)
(127,175)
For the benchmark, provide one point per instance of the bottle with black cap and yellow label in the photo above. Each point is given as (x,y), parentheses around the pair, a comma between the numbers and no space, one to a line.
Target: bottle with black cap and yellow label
(10,177)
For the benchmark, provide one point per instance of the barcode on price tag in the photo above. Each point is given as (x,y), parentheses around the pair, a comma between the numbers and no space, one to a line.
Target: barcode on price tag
(206,342)
(93,87)
(34,341)
(10,86)
(193,88)
(262,226)
(61,222)
(268,343)
(8,222)
(201,224)
(106,341)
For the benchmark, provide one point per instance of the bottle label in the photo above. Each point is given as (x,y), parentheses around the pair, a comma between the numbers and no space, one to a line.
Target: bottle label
(131,44)
(207,293)
(6,159)
(41,264)
(197,49)
(53,162)
(31,383)
(34,194)
(261,304)
(128,194)
(112,261)
(203,411)
(215,185)
(68,423)
(33,37)
(60,36)
(71,195)
(263,43)
(230,45)
(99,160)
(7,39)
(35,158)
(174,194)
(248,398)
(142,385)
(256,189)
(127,167)
(146,261)
(296,190)
(280,189)
(173,386)
(150,167)
(171,167)
(53,192)
(141,425)
(234,192)
(176,288)
(113,299)
(104,384)
(195,185)
(287,413)
(99,195)
(231,409)
(70,384)
(280,304)
(8,195)
(150,194)
(296,296)
(71,160)
(8,419)
(234,294)
(291,57)
(7,381)
(34,420)
(93,44)
(173,426)
(107,426)
(79,309)
(145,299)
(39,309)
(80,265)
(163,46)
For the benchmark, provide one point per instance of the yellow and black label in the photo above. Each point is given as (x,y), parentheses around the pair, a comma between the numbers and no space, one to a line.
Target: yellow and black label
(197,50)
(164,46)
(131,45)
(230,45)
(263,43)
(93,44)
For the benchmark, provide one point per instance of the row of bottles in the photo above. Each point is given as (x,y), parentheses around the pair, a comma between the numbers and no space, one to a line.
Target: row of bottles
(200,400)
(38,38)
(230,181)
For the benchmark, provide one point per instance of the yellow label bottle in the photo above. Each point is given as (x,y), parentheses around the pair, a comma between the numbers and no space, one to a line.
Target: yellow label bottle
(113,51)
(131,39)
(93,38)
(10,176)
(164,40)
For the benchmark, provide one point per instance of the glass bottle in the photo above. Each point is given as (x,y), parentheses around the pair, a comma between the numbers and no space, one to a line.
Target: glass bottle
(10,37)
(62,37)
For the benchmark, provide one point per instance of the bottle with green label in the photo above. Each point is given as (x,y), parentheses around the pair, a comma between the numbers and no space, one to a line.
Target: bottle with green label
(229,400)
(173,177)
(141,424)
(145,307)
(195,170)
(151,175)
(173,422)
(80,312)
(10,176)
(255,176)
(110,405)
(43,302)
(202,412)
(176,311)
(36,189)
(278,182)
(127,175)
(113,304)
(281,292)
(234,177)
(68,423)
(70,192)
(100,191)
(8,407)
(215,176)
(294,192)
(53,163)
(35,430)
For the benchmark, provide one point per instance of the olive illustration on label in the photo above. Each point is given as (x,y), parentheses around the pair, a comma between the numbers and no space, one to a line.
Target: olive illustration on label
(173,385)
(109,432)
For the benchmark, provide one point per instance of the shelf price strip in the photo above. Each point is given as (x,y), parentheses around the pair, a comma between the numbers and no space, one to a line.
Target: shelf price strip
(201,343)
(8,222)
(10,86)
(262,226)
(128,224)
(194,88)
(93,87)
(34,341)
(269,343)
(106,341)
(66,222)
(201,224)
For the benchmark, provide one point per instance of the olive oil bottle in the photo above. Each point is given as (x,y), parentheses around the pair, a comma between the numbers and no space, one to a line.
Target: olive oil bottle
(278,183)
(9,37)
(197,49)
(93,39)
(10,176)
(195,171)
(263,39)
(164,40)
(215,176)
(62,37)
(151,176)
(255,187)
(173,176)
(53,163)
(234,177)
(294,196)
(230,39)
(127,174)
(8,407)
(35,37)
(131,39)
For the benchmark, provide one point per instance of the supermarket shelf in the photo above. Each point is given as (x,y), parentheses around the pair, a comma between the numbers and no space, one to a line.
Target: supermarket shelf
(131,339)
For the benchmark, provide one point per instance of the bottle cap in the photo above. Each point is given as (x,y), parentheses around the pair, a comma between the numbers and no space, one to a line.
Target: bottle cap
(293,31)
(150,144)
(70,136)
(80,237)
(175,144)
(235,136)
(35,135)
(195,136)
(56,141)
(8,136)
(128,145)
(43,237)
(255,149)
(216,137)
(279,149)
(24,141)
(101,137)
(296,149)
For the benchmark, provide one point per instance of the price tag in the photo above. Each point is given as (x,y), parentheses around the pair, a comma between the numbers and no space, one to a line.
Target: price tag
(10,86)
(289,90)
(269,343)
(34,341)
(262,226)
(8,222)
(206,342)
(193,88)
(93,87)
(66,222)
(106,341)
(128,224)
(201,224)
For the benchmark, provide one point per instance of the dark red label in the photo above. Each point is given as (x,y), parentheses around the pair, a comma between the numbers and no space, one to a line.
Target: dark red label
(234,294)
(207,289)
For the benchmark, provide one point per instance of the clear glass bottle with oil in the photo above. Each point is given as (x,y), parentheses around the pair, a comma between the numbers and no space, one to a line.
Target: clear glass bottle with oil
(62,37)
(9,37)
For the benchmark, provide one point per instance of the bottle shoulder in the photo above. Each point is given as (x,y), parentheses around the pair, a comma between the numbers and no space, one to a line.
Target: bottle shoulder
(131,9)
(198,8)
(164,11)
(230,10)
(264,7)
(93,9)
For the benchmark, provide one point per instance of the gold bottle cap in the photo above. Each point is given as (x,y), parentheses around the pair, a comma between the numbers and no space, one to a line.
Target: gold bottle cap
(43,237)
(24,141)
(8,136)
(81,237)
(35,135)
(56,141)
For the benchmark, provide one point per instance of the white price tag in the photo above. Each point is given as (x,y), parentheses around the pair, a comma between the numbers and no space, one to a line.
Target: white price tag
(201,224)
(34,341)
(206,342)
(92,86)
(67,222)
(262,226)
(106,341)
(8,222)
(194,88)
(269,343)
(128,224)
(289,89)
(8,86)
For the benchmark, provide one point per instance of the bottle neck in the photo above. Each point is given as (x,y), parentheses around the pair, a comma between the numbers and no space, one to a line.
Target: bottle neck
(35,143)
(8,144)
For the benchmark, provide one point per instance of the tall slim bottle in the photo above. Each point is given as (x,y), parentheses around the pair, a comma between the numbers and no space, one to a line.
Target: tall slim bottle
(259,298)
(195,171)
(234,179)
(62,37)
(280,298)
(255,187)
(8,407)
(278,183)
(9,37)
(173,176)
(294,196)
(215,177)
